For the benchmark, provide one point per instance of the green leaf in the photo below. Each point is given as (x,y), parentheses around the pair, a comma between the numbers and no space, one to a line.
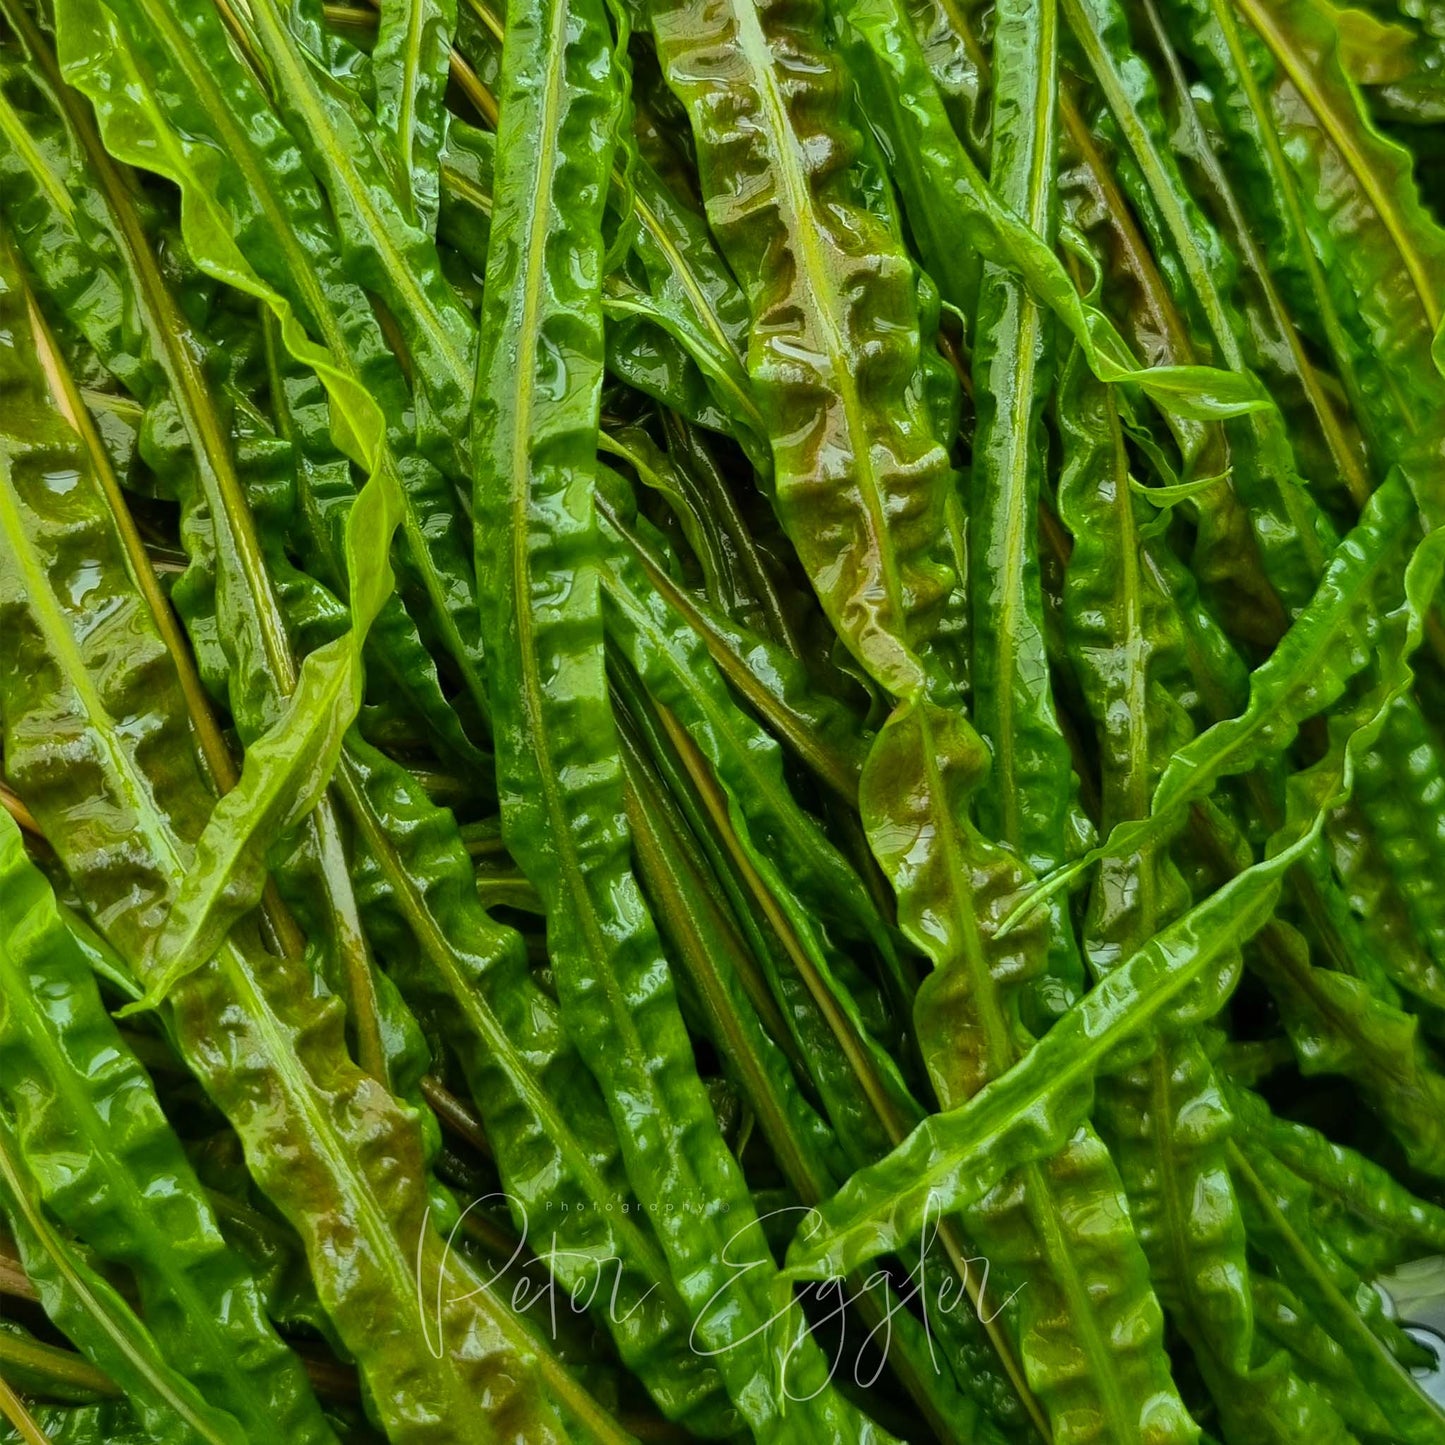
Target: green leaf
(111,1423)
(1272,1202)
(838,1059)
(534,442)
(852,449)
(340,1158)
(863,496)
(806,875)
(713,955)
(1337,1025)
(692,297)
(1292,535)
(76,1092)
(397,659)
(76,221)
(50,1372)
(1400,794)
(1303,43)
(953,889)
(285,773)
(1369,889)
(1327,244)
(226,594)
(1025,799)
(90,1312)
(498,1041)
(953,1158)
(1164,1116)
(1288,1326)
(947,197)
(546,1123)
(381,243)
(409,70)
(283,778)
(1332,639)
(1397,1219)
(823,733)
(253,217)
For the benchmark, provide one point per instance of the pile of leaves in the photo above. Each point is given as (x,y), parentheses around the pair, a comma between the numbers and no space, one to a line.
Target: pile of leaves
(722,719)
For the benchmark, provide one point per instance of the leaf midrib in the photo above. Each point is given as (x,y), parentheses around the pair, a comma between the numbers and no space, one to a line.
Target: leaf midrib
(165,329)
(1024,343)
(15,132)
(1346,1318)
(655,228)
(410,87)
(1147,156)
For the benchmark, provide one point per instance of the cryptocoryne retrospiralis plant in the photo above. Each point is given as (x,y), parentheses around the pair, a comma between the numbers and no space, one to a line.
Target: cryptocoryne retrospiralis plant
(721,719)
